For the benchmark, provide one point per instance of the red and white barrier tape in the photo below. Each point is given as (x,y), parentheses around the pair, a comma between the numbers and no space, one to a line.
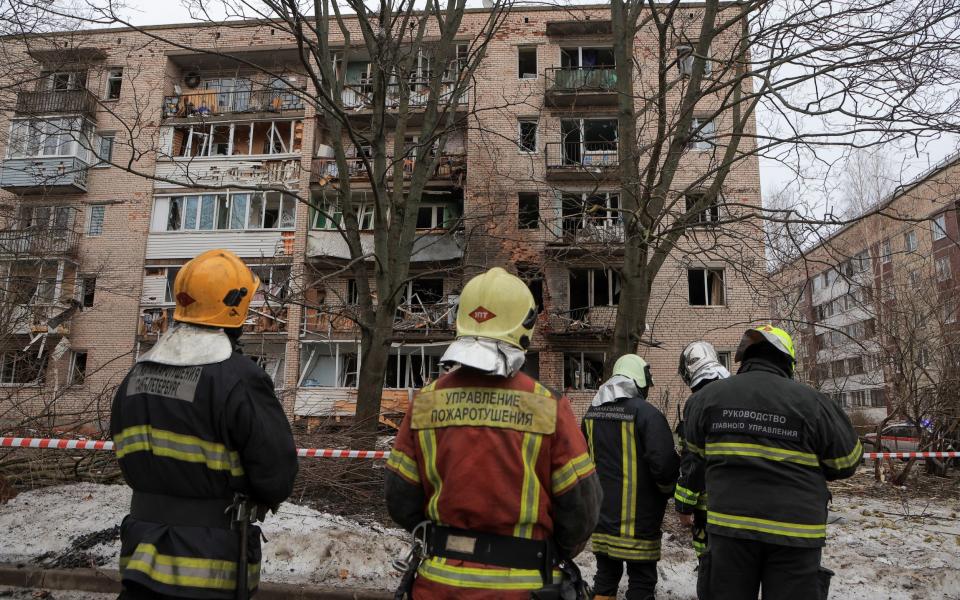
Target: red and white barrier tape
(63,444)
(876,455)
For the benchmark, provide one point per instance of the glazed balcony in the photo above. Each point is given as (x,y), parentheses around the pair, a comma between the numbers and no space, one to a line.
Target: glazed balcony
(38,243)
(450,167)
(45,174)
(581,86)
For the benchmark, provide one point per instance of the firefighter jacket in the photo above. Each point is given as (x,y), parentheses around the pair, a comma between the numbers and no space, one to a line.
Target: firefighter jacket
(495,455)
(633,448)
(686,499)
(187,438)
(769,444)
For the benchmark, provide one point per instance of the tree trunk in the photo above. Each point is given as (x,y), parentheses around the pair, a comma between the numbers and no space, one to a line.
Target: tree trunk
(374,357)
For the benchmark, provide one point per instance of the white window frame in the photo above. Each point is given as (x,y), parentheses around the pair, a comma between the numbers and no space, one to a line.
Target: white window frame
(207,131)
(580,50)
(436,215)
(113,74)
(339,375)
(910,243)
(938,227)
(944,268)
(94,209)
(78,129)
(581,360)
(701,222)
(612,217)
(686,54)
(704,139)
(165,200)
(706,285)
(104,160)
(72,370)
(886,252)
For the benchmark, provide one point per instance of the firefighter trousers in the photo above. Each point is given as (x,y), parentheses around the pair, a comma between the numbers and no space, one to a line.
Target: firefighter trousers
(132,591)
(740,568)
(641,578)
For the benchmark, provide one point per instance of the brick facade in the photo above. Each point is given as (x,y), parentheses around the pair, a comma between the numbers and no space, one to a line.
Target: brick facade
(136,250)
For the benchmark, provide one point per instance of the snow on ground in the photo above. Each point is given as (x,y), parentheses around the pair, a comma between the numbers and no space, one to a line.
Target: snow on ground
(880,549)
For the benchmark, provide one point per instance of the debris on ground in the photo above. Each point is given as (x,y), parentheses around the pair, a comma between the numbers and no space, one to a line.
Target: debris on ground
(882,543)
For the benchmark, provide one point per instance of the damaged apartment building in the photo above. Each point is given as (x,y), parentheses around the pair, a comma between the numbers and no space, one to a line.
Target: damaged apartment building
(127,156)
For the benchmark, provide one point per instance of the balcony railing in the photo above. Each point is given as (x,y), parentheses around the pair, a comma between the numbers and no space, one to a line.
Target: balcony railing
(594,320)
(590,156)
(210,103)
(154,322)
(66,174)
(60,102)
(583,230)
(359,96)
(417,317)
(449,166)
(581,79)
(38,243)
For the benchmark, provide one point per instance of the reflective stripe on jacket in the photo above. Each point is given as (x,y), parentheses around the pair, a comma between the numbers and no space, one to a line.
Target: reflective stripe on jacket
(494,455)
(633,448)
(198,432)
(769,444)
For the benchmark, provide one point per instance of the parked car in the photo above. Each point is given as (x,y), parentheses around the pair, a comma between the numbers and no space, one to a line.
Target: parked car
(899,437)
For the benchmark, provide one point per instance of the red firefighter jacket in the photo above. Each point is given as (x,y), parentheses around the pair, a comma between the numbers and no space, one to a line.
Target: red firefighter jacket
(495,455)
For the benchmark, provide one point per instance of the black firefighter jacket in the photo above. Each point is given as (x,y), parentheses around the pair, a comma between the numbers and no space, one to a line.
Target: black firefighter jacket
(770,445)
(188,438)
(633,448)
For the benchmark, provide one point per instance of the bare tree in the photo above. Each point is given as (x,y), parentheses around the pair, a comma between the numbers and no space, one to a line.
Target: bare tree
(868,178)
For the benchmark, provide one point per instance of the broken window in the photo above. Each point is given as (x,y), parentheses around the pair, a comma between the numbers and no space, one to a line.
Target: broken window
(353,292)
(583,370)
(88,290)
(586,58)
(424,292)
(238,139)
(702,134)
(260,210)
(430,216)
(707,215)
(590,210)
(329,364)
(114,83)
(527,141)
(528,215)
(62,81)
(593,287)
(274,283)
(21,367)
(78,368)
(685,56)
(533,277)
(705,287)
(413,367)
(527,62)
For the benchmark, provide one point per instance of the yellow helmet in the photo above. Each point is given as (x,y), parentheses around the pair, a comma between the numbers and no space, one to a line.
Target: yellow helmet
(634,367)
(499,306)
(777,337)
(214,289)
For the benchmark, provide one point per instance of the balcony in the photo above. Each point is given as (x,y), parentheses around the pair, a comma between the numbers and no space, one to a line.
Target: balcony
(426,319)
(228,171)
(358,97)
(586,232)
(44,174)
(210,103)
(590,161)
(593,322)
(42,318)
(450,167)
(56,102)
(568,87)
(38,243)
(427,247)
(261,320)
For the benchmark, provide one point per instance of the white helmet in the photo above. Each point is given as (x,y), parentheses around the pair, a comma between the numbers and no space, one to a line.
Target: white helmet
(699,362)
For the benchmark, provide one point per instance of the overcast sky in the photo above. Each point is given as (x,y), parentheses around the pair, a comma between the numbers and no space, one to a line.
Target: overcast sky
(821,176)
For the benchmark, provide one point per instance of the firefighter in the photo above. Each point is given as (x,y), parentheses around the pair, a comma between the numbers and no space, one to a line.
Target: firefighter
(633,448)
(194,423)
(770,444)
(488,467)
(699,366)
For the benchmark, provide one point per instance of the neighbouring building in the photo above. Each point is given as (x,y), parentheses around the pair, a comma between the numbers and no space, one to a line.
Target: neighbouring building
(529,183)
(873,306)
